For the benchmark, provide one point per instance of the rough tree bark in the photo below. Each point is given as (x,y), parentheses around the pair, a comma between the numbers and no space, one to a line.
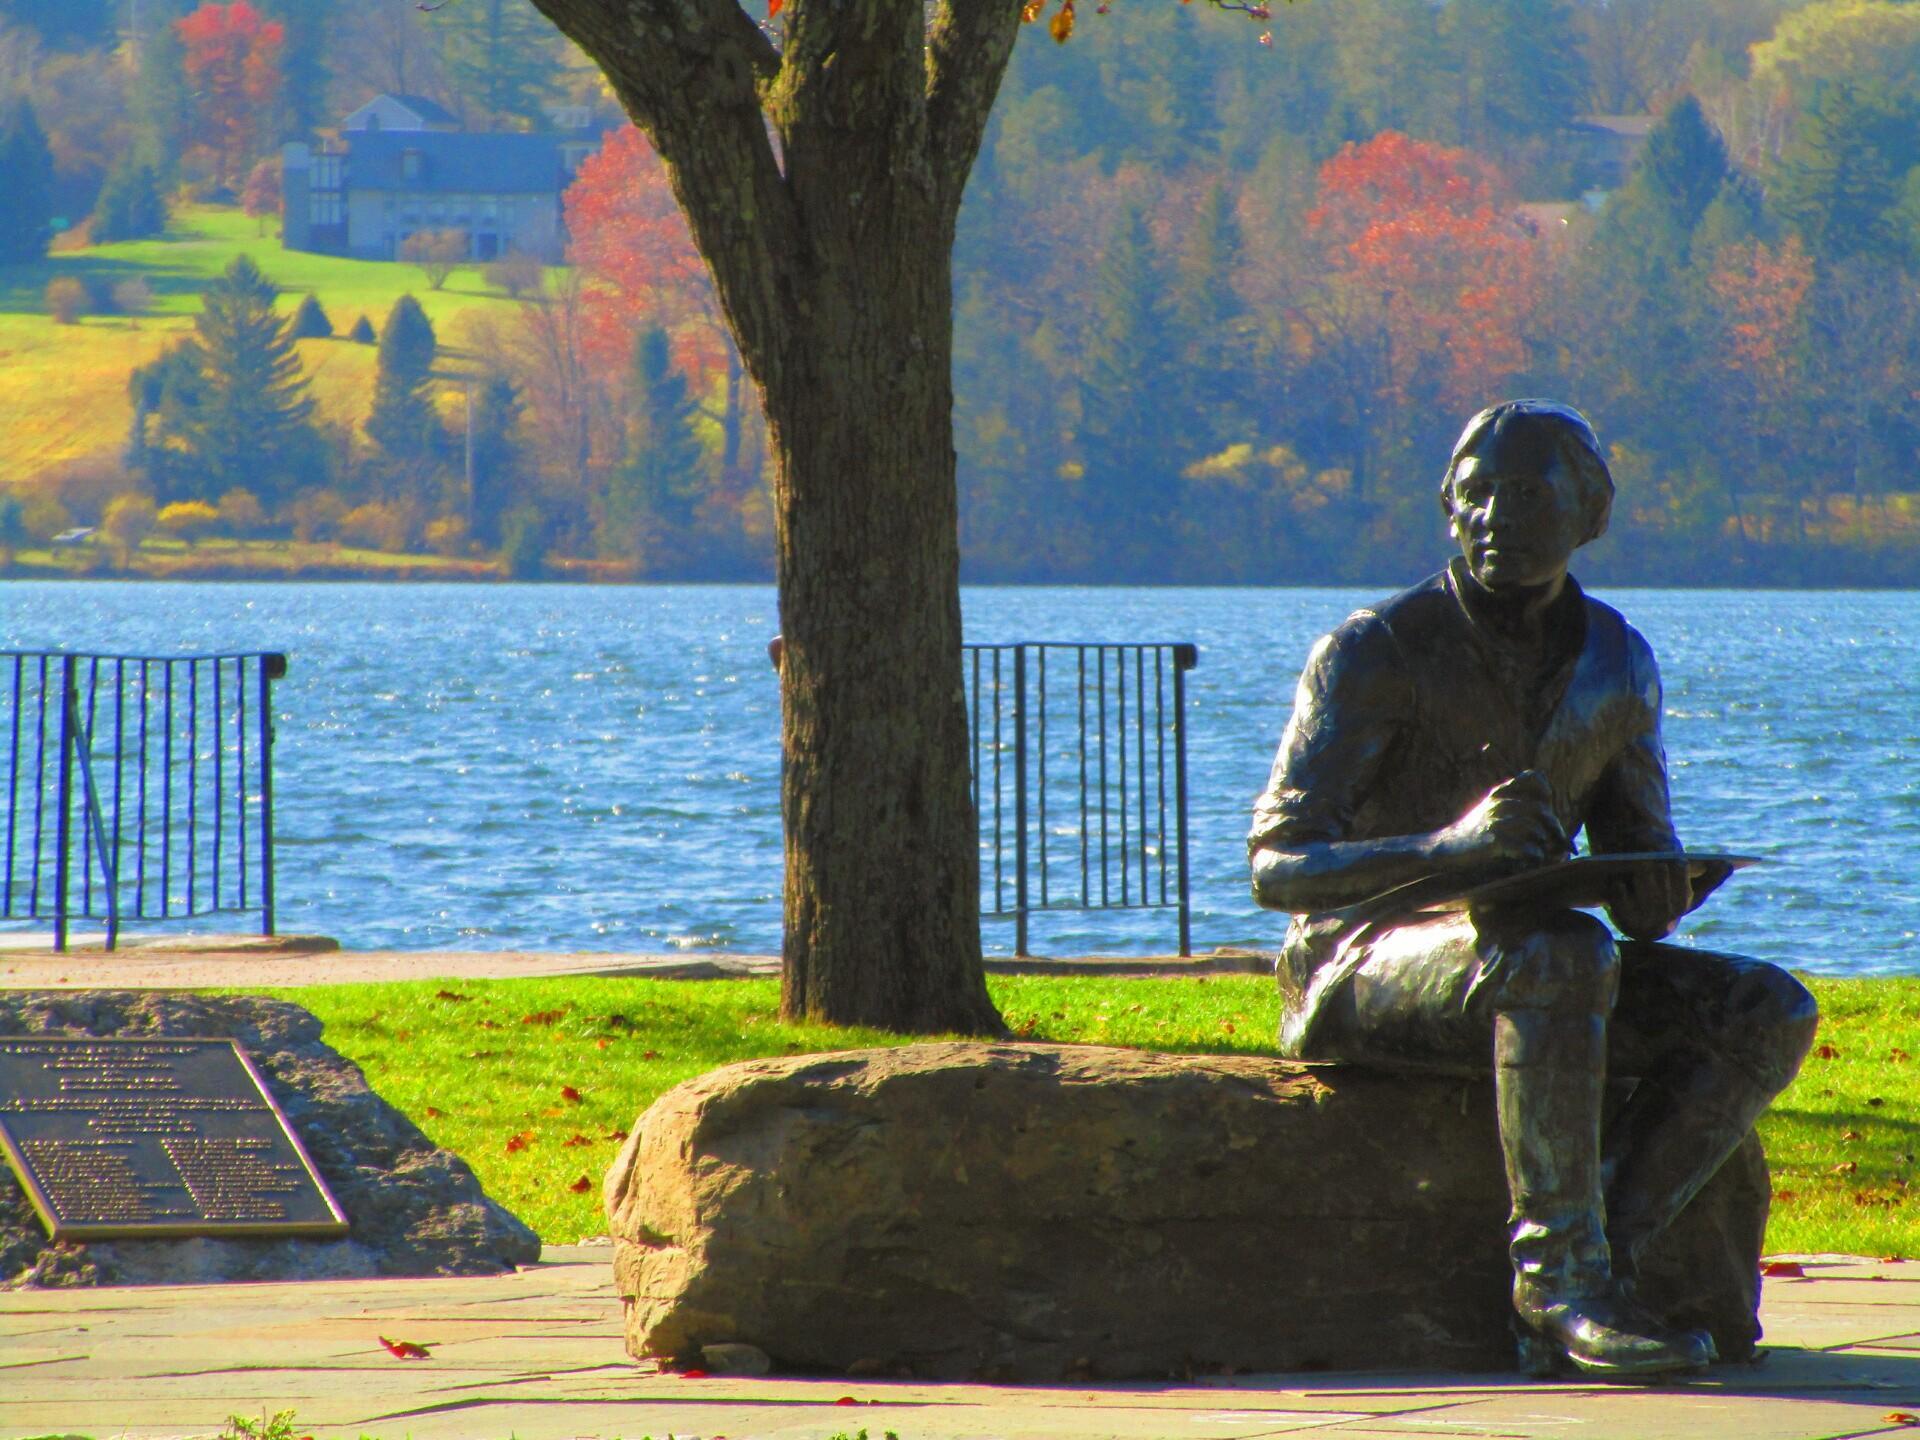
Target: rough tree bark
(822,180)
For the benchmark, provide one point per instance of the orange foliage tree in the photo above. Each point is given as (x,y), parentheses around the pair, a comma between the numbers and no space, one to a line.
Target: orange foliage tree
(232,59)
(636,255)
(1424,240)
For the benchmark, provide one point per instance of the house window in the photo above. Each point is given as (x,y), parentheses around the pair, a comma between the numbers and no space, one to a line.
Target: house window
(323,208)
(412,165)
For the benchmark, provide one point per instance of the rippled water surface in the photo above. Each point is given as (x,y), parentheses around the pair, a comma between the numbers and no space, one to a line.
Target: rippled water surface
(496,767)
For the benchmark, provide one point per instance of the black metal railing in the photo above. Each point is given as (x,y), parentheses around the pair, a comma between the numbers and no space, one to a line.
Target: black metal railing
(139,787)
(1079,756)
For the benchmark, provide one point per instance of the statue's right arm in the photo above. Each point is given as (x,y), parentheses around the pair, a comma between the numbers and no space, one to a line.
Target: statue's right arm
(1352,704)
(1352,701)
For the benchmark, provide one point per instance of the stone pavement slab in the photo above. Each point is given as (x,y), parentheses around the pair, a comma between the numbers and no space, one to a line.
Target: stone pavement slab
(537,1356)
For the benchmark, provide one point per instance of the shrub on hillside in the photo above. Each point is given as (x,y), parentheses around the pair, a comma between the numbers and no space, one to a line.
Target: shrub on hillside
(362,332)
(447,535)
(44,515)
(376,526)
(132,296)
(316,515)
(129,520)
(241,514)
(515,273)
(310,320)
(188,520)
(436,252)
(66,300)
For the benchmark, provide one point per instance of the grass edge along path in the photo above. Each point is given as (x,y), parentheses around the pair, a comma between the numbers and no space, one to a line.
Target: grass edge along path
(552,1073)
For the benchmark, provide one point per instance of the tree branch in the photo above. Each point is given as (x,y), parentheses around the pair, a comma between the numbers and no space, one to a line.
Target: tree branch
(967,52)
(691,74)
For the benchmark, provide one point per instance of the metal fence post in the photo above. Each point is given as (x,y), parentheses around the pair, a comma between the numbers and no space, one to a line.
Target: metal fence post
(273,666)
(1185,657)
(1020,799)
(69,703)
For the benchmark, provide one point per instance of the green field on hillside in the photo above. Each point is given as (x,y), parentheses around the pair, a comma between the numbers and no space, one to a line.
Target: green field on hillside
(63,387)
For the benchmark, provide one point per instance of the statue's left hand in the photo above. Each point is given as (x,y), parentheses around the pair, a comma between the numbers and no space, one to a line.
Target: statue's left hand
(1649,904)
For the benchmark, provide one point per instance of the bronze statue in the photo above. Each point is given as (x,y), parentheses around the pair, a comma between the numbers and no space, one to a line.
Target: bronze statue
(1470,728)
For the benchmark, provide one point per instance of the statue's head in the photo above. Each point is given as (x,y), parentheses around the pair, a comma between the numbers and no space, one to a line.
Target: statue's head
(1525,488)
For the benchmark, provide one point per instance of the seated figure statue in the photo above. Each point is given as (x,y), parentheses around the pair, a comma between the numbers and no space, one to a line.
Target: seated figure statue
(1470,727)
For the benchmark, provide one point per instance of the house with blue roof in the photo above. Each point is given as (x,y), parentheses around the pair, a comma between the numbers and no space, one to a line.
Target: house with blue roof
(400,164)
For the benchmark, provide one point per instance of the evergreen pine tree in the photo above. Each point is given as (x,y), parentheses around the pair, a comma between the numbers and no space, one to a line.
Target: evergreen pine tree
(158,101)
(130,206)
(1494,105)
(1126,394)
(500,56)
(1840,180)
(496,416)
(26,185)
(1209,328)
(402,422)
(361,331)
(1683,165)
(652,498)
(310,320)
(232,404)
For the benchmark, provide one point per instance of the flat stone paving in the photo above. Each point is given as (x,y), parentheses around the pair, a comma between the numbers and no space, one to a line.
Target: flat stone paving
(537,1356)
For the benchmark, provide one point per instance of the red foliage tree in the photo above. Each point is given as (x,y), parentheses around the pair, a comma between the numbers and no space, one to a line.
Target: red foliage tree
(1425,238)
(631,243)
(232,61)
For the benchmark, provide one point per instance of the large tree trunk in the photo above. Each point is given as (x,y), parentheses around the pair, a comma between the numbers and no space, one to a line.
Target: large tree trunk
(882,894)
(832,260)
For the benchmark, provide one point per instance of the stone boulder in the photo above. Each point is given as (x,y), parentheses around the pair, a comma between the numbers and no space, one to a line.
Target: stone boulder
(1039,1212)
(414,1208)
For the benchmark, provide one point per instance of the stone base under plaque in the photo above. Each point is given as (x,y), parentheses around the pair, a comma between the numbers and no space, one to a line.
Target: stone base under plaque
(414,1208)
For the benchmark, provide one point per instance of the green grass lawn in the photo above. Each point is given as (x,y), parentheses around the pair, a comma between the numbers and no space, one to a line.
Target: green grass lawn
(63,387)
(1842,1140)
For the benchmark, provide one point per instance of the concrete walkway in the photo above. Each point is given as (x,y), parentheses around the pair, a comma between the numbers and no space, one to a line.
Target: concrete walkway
(537,1356)
(29,962)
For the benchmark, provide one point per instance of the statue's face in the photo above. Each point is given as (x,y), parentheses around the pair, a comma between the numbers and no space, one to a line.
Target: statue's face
(1516,511)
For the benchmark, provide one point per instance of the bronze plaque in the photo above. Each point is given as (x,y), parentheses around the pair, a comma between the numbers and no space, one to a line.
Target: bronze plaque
(145,1139)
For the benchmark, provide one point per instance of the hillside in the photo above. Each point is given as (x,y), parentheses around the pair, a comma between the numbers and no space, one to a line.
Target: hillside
(63,387)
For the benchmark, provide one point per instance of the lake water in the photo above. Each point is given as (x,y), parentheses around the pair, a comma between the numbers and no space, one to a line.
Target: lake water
(574,768)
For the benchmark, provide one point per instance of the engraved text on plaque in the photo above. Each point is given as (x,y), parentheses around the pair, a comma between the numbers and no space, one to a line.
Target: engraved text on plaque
(151,1138)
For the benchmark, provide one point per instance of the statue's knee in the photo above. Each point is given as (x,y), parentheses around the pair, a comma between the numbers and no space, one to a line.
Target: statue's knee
(1774,1020)
(1569,962)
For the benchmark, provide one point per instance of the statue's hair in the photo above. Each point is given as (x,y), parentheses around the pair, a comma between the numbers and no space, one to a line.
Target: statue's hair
(1573,439)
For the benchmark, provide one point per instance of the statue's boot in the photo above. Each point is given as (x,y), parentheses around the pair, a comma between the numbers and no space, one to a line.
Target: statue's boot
(1549,1084)
(1669,1139)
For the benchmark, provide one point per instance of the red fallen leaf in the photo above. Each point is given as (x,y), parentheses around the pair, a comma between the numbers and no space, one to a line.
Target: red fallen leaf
(1901,1417)
(488,1024)
(649,1054)
(568,1093)
(693,1374)
(1784,1269)
(1898,1056)
(616,1134)
(543,1017)
(1846,1167)
(1893,1259)
(448,995)
(519,1142)
(581,1186)
(1827,1052)
(434,1112)
(601,1043)
(573,1141)
(846,1400)
(1847,1136)
(1784,1196)
(404,1349)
